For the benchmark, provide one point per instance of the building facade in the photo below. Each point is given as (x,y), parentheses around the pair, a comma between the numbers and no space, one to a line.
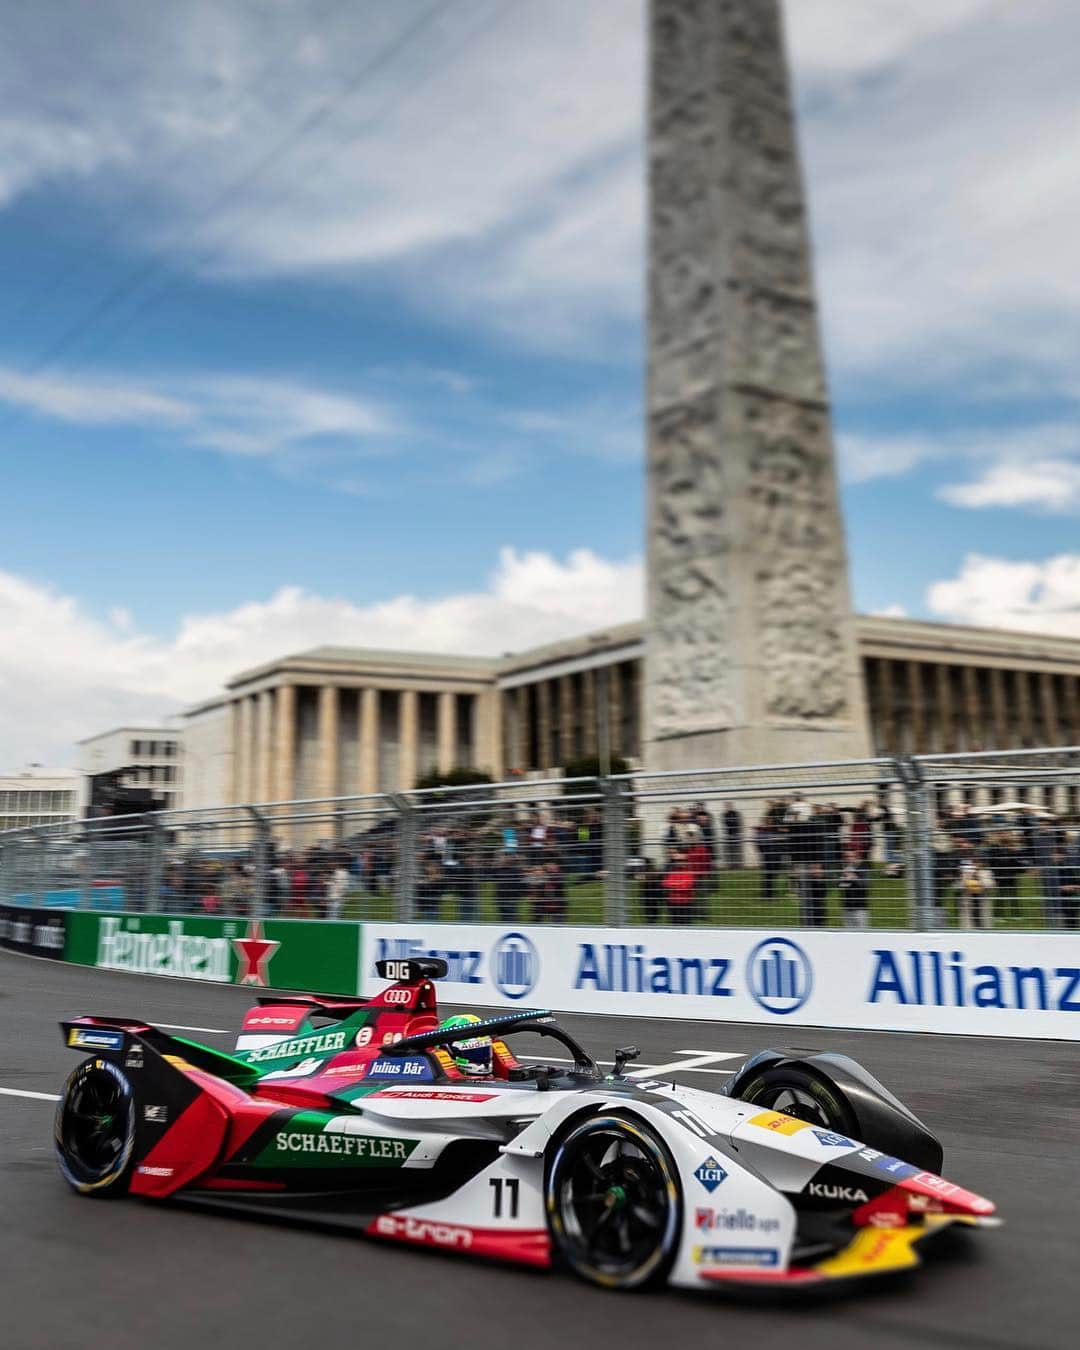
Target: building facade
(40,796)
(341,721)
(151,758)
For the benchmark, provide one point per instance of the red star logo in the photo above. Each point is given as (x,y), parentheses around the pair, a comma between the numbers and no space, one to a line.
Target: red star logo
(254,952)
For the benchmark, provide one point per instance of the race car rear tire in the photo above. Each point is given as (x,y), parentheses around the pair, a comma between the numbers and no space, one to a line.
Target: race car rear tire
(614,1204)
(95,1129)
(798,1093)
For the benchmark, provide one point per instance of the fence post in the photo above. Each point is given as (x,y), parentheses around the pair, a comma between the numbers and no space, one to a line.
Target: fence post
(406,868)
(918,864)
(614,795)
(38,888)
(261,881)
(86,869)
(156,870)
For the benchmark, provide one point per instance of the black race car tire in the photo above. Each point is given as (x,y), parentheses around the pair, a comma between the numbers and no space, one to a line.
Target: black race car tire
(656,1191)
(96,1165)
(814,1095)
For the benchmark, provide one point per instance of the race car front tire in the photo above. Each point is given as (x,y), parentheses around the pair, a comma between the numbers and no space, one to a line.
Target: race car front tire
(614,1204)
(95,1129)
(799,1093)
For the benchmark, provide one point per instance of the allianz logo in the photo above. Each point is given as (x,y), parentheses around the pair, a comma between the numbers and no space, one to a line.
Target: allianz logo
(946,980)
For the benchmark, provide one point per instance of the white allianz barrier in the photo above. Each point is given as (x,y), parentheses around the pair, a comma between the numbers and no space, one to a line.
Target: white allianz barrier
(953,982)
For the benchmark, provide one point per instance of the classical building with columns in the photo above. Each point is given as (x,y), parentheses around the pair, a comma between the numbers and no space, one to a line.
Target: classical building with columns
(339,721)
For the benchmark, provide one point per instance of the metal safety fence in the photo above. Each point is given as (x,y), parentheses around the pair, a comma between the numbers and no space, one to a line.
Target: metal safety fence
(977,840)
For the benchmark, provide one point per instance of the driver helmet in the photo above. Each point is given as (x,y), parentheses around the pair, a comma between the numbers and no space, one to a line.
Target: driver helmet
(472,1055)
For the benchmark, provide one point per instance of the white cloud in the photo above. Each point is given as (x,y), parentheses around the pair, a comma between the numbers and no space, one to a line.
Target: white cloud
(1000,593)
(890,612)
(493,167)
(279,419)
(863,458)
(65,674)
(1047,485)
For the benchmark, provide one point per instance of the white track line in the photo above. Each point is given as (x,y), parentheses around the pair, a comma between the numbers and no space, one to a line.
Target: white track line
(684,1065)
(37,1096)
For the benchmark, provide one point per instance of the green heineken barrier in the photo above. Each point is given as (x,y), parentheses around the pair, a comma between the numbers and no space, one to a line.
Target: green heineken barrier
(324,956)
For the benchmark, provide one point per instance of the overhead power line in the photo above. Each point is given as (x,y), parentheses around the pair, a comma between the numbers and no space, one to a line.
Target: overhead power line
(138,276)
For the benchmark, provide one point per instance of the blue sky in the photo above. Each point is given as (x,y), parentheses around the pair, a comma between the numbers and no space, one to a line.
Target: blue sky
(322,321)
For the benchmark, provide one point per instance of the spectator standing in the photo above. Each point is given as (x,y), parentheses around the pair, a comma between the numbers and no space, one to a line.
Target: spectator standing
(890,839)
(732,822)
(699,861)
(974,888)
(678,886)
(650,893)
(854,887)
(429,890)
(770,846)
(1004,857)
(860,837)
(706,827)
(299,886)
(1070,887)
(467,886)
(808,851)
(508,887)
(337,887)
(236,890)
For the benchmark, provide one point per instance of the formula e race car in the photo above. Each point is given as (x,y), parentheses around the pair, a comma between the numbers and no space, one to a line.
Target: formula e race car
(359,1114)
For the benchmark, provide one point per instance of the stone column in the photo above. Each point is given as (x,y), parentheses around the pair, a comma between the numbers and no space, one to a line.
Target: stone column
(1022,683)
(915,694)
(888,705)
(328,740)
(972,712)
(615,709)
(946,716)
(543,717)
(488,733)
(999,708)
(1072,705)
(447,731)
(234,744)
(369,740)
(522,730)
(1048,699)
(589,744)
(285,740)
(265,790)
(408,738)
(244,776)
(567,720)
(751,655)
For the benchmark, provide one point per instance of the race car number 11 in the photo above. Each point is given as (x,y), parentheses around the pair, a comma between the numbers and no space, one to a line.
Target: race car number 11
(511,1185)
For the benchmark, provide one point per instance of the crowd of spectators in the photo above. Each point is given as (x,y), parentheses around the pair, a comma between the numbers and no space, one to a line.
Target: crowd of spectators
(814,850)
(519,863)
(524,860)
(981,857)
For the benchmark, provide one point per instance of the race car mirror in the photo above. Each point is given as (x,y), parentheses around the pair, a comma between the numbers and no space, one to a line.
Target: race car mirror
(416,968)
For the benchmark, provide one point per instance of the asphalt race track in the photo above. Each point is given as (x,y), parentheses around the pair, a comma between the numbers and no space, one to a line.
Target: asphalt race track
(79,1273)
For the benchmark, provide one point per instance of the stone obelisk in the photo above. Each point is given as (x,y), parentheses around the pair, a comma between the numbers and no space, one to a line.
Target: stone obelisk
(750,651)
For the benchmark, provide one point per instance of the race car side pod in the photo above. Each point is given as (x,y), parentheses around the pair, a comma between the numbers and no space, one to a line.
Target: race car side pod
(862,1106)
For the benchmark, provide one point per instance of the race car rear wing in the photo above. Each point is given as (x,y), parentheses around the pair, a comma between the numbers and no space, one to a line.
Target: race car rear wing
(413,969)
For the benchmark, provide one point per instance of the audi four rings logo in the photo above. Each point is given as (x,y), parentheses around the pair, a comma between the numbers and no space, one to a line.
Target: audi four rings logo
(515,965)
(779,975)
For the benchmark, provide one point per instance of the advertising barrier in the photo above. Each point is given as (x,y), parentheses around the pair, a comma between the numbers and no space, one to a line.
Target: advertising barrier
(318,956)
(37,932)
(955,982)
(966,983)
